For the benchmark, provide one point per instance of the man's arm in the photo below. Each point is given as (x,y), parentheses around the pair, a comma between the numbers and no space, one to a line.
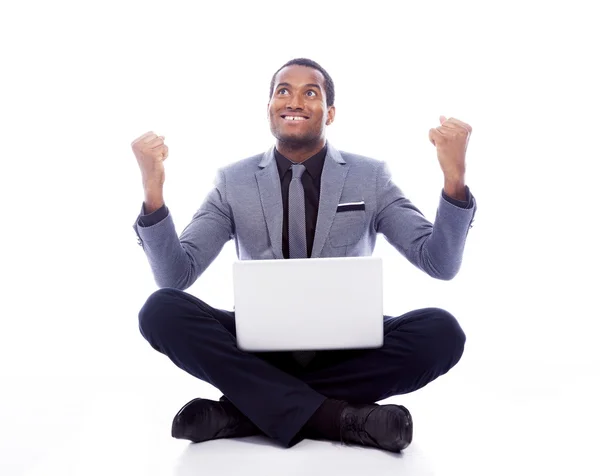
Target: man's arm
(177,262)
(437,248)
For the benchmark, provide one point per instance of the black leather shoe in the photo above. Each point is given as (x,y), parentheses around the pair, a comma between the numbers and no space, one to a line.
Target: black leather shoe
(388,427)
(203,420)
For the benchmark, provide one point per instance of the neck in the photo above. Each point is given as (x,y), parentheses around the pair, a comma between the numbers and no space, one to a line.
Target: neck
(299,152)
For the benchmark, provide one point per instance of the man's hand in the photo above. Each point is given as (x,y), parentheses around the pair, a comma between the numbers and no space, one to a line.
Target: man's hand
(151,151)
(451,139)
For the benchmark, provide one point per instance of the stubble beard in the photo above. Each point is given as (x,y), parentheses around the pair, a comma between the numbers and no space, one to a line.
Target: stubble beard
(296,141)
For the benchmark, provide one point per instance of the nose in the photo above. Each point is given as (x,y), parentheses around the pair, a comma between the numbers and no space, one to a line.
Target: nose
(295,102)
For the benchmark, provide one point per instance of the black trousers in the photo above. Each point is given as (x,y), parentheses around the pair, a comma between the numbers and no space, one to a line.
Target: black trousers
(276,393)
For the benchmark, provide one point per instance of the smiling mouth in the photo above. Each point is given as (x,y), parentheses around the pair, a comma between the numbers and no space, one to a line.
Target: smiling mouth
(294,118)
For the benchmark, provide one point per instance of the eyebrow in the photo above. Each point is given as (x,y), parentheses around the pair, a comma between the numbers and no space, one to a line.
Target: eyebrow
(311,85)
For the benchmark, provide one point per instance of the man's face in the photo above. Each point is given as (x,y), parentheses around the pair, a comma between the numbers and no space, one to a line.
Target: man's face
(298,111)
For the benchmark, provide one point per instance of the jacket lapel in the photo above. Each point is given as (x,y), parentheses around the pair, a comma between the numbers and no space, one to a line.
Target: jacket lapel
(332,183)
(269,187)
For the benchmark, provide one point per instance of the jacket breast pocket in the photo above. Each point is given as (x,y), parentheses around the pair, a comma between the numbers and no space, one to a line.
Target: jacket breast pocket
(348,227)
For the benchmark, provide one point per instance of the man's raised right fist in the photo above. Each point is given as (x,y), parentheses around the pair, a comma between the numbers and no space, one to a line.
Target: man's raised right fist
(150,151)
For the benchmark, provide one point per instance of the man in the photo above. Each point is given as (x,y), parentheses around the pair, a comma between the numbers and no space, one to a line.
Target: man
(284,204)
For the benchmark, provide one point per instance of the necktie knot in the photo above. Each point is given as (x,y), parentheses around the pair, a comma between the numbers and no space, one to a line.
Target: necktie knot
(297,171)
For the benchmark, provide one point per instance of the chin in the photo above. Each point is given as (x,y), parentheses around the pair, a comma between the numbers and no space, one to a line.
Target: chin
(295,140)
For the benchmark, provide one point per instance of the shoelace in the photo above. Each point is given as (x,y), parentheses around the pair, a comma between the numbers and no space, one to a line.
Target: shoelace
(353,424)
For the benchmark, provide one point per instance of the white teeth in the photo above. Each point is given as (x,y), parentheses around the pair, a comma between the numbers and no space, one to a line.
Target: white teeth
(295,118)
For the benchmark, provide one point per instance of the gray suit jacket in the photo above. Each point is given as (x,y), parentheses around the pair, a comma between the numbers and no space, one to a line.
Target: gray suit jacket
(245,205)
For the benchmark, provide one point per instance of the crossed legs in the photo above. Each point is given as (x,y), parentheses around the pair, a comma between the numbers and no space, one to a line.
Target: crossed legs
(270,388)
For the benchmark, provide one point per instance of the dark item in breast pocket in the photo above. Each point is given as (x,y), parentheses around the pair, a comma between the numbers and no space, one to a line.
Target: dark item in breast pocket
(349,207)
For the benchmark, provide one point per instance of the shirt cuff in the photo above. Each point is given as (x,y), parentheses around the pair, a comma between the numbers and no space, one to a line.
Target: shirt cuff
(154,217)
(468,203)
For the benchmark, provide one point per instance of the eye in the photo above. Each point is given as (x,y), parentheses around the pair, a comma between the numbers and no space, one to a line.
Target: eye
(311,91)
(281,90)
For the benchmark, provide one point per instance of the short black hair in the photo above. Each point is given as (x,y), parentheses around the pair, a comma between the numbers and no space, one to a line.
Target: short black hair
(329,88)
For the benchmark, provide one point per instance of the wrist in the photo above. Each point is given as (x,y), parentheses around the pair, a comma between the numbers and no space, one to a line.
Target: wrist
(151,205)
(152,186)
(153,197)
(455,188)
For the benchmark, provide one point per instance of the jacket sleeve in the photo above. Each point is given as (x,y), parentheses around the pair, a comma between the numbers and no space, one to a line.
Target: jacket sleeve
(154,217)
(177,262)
(437,248)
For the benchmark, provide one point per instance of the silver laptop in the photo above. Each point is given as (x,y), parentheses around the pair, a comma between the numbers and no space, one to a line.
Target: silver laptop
(308,304)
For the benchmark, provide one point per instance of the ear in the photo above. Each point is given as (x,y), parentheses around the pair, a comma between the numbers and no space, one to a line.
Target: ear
(330,115)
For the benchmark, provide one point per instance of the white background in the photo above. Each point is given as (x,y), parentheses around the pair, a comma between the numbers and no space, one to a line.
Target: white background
(81,80)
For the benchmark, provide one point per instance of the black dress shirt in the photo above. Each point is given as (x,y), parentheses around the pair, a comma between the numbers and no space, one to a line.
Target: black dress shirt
(311,181)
